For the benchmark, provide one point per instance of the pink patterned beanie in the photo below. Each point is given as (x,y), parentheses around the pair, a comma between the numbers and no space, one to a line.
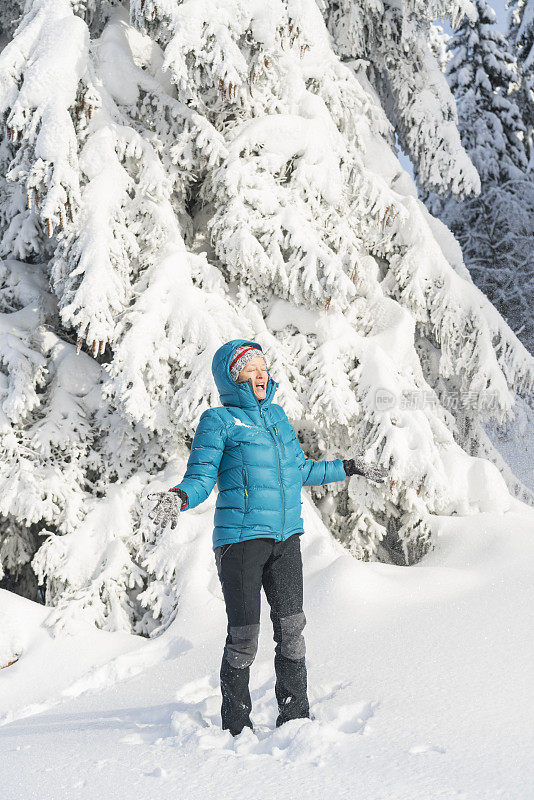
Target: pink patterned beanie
(242,356)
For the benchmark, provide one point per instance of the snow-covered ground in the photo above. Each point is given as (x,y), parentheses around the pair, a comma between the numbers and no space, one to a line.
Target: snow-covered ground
(421,680)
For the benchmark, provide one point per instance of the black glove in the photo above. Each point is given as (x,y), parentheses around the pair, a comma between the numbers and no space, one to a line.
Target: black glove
(182,495)
(357,466)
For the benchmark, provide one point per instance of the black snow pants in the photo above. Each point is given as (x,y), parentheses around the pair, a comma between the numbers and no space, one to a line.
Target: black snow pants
(243,568)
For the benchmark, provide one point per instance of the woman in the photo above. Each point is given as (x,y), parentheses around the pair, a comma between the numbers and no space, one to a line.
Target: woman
(249,447)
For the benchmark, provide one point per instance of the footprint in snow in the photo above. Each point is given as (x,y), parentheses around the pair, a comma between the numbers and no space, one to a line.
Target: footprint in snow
(337,707)
(158,772)
(426,748)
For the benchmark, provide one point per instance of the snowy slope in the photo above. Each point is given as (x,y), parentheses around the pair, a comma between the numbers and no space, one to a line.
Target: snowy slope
(47,666)
(420,678)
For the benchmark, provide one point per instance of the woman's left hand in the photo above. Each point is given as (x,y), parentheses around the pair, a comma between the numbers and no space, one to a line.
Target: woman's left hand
(373,472)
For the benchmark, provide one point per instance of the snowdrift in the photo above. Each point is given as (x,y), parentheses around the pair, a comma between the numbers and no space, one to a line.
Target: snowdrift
(420,679)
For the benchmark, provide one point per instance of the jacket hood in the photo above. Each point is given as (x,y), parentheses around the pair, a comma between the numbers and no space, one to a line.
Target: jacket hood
(232,393)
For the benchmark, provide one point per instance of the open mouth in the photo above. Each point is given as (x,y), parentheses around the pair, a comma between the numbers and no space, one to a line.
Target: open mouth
(260,386)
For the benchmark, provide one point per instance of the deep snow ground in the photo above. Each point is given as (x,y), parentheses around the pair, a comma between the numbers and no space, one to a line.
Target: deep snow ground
(421,680)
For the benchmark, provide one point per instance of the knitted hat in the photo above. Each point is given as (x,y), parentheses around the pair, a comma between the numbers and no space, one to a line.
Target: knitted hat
(242,356)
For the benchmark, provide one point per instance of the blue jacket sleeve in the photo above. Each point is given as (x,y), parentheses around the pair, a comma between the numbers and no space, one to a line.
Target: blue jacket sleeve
(317,473)
(203,463)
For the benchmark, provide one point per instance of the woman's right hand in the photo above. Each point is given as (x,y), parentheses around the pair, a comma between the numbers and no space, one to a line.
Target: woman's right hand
(168,506)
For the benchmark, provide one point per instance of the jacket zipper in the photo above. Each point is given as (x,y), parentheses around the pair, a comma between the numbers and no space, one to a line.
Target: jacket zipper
(282,446)
(280,484)
(278,475)
(245,484)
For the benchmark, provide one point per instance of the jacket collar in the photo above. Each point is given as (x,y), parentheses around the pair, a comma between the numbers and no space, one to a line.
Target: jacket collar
(232,393)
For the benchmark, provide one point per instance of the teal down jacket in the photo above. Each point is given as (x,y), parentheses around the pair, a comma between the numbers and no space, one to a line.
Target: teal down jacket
(249,447)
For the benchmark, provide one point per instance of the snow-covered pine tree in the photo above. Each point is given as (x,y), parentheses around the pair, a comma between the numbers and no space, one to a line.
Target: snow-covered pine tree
(396,40)
(521,37)
(88,190)
(181,173)
(495,229)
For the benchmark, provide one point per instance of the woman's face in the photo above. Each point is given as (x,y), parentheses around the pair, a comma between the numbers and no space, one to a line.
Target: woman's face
(256,371)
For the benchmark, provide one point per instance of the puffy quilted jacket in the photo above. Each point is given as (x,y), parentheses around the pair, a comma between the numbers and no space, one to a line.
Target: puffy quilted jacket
(249,447)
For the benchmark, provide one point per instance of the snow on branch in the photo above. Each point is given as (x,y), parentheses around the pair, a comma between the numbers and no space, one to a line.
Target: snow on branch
(39,74)
(225,44)
(452,10)
(476,344)
(394,40)
(287,169)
